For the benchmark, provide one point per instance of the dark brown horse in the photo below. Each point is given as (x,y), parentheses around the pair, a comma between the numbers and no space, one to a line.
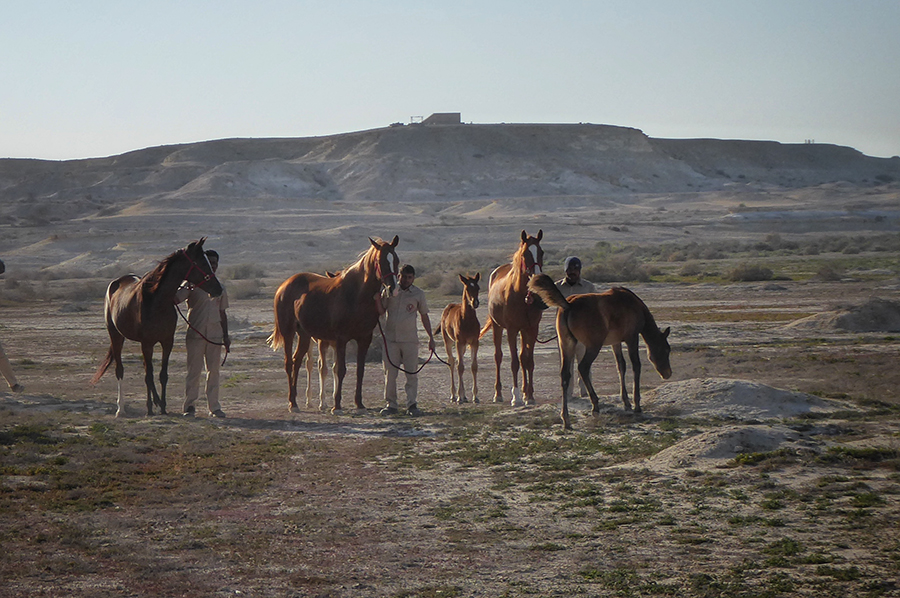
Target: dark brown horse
(597,319)
(460,328)
(142,309)
(511,308)
(337,310)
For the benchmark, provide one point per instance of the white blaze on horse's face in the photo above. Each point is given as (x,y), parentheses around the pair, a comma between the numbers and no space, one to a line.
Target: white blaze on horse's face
(535,257)
(391,281)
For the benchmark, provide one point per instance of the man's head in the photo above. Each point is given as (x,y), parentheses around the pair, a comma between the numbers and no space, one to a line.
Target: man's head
(573,269)
(213,257)
(407,276)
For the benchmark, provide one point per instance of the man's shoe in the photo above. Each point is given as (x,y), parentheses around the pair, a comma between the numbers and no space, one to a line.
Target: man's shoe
(188,412)
(17,388)
(388,411)
(217,413)
(413,411)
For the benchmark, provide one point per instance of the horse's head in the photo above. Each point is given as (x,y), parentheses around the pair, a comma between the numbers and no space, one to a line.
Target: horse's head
(471,289)
(200,273)
(387,262)
(658,352)
(530,254)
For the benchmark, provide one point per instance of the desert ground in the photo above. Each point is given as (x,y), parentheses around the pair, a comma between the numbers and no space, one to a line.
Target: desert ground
(767,465)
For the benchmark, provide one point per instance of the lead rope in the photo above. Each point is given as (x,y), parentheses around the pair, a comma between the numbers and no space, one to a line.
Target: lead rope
(203,336)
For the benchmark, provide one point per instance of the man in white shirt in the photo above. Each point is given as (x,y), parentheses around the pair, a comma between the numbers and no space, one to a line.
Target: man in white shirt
(573,284)
(207,334)
(402,339)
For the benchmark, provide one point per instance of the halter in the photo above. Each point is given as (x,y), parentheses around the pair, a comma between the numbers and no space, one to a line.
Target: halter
(378,270)
(206,277)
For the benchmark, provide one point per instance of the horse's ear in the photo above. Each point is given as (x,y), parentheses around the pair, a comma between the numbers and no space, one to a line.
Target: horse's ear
(667,331)
(374,243)
(462,278)
(395,241)
(540,234)
(524,236)
(477,276)
(201,241)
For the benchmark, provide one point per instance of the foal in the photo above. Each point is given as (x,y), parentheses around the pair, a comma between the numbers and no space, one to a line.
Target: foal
(459,325)
(597,319)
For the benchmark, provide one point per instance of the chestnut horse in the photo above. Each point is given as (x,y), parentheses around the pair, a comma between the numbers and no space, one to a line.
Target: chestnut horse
(511,308)
(143,310)
(337,310)
(596,319)
(460,327)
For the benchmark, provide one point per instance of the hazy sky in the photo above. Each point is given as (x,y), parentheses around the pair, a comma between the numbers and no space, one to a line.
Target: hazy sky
(93,78)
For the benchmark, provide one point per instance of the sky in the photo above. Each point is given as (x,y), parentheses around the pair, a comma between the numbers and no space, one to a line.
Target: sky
(98,78)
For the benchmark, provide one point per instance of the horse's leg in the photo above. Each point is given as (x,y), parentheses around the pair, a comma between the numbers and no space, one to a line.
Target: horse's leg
(309,375)
(514,362)
(527,360)
(565,378)
(302,349)
(448,346)
(474,346)
(116,342)
(498,359)
(340,360)
(362,347)
(584,370)
(289,366)
(164,372)
(152,395)
(622,367)
(323,372)
(460,369)
(635,355)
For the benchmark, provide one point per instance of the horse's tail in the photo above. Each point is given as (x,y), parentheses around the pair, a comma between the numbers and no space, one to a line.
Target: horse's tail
(438,329)
(488,325)
(103,367)
(544,287)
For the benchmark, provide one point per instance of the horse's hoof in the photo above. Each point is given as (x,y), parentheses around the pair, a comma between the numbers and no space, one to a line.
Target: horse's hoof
(475,400)
(337,411)
(362,411)
(120,413)
(638,410)
(463,400)
(531,402)
(517,403)
(294,409)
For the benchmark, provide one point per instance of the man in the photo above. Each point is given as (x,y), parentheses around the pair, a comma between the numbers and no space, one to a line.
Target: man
(5,368)
(207,334)
(573,284)
(402,340)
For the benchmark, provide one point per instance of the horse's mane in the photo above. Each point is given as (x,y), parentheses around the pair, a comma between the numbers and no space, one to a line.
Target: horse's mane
(649,320)
(359,264)
(153,279)
(518,257)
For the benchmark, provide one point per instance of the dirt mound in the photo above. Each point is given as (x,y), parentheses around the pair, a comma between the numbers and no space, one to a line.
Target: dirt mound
(732,399)
(715,448)
(875,315)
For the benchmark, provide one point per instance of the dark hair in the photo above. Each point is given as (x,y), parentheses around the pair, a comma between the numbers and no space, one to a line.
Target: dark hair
(408,269)
(212,253)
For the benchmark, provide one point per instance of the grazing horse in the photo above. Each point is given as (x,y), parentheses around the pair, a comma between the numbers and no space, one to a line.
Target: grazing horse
(142,309)
(511,307)
(597,319)
(459,326)
(336,310)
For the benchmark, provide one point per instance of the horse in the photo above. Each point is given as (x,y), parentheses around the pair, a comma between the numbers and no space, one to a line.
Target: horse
(142,309)
(596,319)
(511,307)
(337,310)
(460,327)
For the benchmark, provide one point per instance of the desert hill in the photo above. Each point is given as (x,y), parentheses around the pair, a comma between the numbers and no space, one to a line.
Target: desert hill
(438,186)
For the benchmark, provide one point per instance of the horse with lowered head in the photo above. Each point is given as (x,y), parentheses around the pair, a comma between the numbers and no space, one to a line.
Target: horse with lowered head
(511,307)
(142,309)
(596,319)
(460,328)
(334,309)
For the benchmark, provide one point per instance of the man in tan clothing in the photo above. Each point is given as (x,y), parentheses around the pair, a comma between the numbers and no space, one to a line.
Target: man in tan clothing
(5,368)
(402,339)
(573,284)
(207,334)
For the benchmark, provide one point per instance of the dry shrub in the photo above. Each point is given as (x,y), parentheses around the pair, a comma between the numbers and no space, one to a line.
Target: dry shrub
(750,273)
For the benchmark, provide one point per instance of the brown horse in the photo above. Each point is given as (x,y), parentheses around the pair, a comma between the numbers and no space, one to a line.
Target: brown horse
(337,310)
(511,308)
(142,309)
(460,327)
(597,319)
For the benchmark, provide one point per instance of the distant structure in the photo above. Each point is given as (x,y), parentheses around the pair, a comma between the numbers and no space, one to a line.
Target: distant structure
(443,118)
